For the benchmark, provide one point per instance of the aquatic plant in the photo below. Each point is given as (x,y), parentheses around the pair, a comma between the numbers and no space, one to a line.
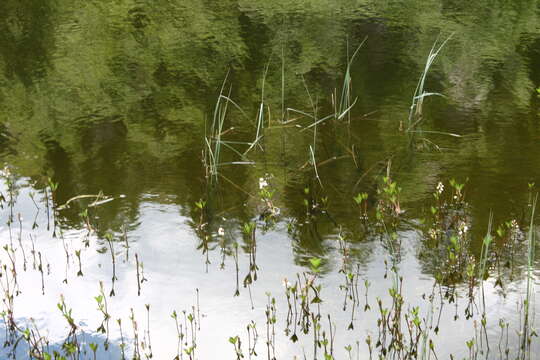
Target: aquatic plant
(415,111)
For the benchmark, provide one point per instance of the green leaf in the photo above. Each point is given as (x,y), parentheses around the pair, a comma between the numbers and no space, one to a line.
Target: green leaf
(315,263)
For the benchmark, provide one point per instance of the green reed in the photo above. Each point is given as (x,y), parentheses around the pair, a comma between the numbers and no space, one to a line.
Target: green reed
(527,331)
(415,111)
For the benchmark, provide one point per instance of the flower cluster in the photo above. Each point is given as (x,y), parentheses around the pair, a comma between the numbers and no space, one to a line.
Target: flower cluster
(266,194)
(462,228)
(440,187)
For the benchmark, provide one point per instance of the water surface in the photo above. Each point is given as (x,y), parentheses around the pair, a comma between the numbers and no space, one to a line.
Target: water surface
(117,98)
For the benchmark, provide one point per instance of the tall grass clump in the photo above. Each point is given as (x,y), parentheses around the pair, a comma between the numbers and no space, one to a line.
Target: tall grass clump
(342,107)
(213,136)
(345,104)
(260,116)
(415,111)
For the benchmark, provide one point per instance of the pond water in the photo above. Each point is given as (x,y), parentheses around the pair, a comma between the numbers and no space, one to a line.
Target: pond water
(125,100)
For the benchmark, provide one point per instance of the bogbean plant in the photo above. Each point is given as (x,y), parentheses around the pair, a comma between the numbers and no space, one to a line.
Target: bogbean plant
(101,300)
(389,193)
(249,230)
(448,237)
(449,233)
(304,311)
(201,206)
(448,240)
(269,212)
(351,278)
(361,200)
(402,331)
(73,347)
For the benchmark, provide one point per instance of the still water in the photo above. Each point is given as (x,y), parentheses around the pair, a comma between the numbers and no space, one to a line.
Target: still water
(117,98)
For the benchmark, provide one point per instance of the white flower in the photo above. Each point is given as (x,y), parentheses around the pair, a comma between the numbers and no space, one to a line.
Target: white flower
(262,183)
(514,224)
(221,231)
(463,228)
(440,187)
(286,283)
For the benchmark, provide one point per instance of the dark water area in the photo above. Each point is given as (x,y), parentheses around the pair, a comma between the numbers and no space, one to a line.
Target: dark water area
(118,98)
